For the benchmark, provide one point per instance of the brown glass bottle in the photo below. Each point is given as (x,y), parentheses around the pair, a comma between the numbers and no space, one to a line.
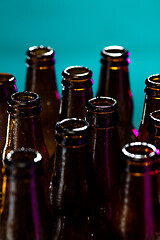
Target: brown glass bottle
(71,187)
(151,103)
(136,214)
(7,87)
(114,82)
(24,126)
(41,79)
(25,214)
(76,91)
(103,117)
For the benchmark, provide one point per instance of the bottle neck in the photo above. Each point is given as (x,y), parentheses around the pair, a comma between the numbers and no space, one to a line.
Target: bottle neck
(73,102)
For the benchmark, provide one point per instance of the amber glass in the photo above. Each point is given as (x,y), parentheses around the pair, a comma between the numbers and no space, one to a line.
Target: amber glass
(114,82)
(103,117)
(41,79)
(136,214)
(151,103)
(71,187)
(76,91)
(7,87)
(24,126)
(25,214)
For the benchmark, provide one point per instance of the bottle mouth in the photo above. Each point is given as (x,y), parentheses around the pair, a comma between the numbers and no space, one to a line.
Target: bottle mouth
(25,98)
(24,103)
(40,57)
(72,131)
(7,79)
(155,117)
(102,104)
(102,112)
(40,52)
(153,81)
(23,163)
(140,152)
(77,73)
(115,52)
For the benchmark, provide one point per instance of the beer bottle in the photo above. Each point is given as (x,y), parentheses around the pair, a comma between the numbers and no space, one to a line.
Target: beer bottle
(103,117)
(25,213)
(24,127)
(7,87)
(72,183)
(41,80)
(114,82)
(136,214)
(76,91)
(151,103)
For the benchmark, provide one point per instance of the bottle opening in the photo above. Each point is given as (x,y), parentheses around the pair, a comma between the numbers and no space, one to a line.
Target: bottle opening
(40,51)
(21,98)
(139,150)
(6,78)
(101,103)
(77,72)
(72,126)
(114,51)
(153,80)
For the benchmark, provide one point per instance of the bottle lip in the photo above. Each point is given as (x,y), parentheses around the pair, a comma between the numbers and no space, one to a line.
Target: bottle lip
(140,152)
(24,104)
(77,73)
(154,117)
(115,52)
(20,160)
(153,81)
(72,127)
(26,98)
(7,79)
(40,52)
(102,104)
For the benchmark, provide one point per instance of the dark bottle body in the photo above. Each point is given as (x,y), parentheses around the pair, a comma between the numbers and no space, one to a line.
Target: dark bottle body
(76,91)
(24,127)
(7,88)
(71,188)
(41,79)
(114,82)
(136,213)
(103,117)
(25,214)
(151,103)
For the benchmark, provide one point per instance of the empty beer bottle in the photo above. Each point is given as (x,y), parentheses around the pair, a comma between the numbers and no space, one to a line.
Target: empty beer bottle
(114,82)
(41,79)
(7,87)
(77,90)
(24,126)
(72,183)
(103,117)
(25,214)
(136,214)
(151,103)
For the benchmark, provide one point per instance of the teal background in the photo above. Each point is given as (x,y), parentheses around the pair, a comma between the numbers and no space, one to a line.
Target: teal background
(78,31)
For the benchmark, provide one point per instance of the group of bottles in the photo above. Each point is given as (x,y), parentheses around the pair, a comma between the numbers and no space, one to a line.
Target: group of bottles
(73,167)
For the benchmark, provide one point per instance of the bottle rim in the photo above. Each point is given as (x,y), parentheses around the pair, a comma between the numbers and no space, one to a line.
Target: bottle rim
(7,79)
(115,52)
(153,81)
(72,127)
(16,161)
(40,52)
(77,73)
(140,152)
(25,98)
(102,104)
(24,104)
